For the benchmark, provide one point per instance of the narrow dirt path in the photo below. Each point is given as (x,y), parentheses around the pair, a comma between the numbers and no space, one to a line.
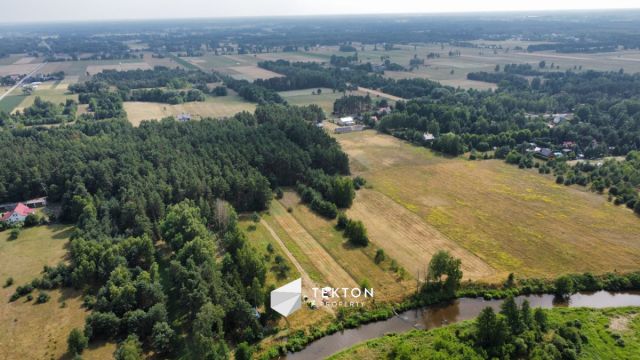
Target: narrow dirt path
(307,282)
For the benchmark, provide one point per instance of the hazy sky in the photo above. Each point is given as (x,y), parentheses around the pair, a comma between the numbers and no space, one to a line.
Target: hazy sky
(54,10)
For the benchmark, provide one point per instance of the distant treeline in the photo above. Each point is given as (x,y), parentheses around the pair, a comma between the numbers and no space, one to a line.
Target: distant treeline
(159,76)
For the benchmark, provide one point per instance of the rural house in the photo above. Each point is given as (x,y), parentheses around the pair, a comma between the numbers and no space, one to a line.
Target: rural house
(18,214)
(346,121)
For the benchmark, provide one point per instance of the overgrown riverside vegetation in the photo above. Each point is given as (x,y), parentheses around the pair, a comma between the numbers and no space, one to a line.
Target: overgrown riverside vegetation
(444,284)
(516,332)
(157,251)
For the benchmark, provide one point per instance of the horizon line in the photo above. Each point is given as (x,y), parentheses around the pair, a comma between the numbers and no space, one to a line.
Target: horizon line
(289,16)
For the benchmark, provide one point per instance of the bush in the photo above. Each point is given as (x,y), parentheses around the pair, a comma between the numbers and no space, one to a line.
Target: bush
(15,232)
(77,342)
(243,352)
(342,221)
(43,297)
(8,282)
(380,256)
(32,219)
(359,182)
(356,233)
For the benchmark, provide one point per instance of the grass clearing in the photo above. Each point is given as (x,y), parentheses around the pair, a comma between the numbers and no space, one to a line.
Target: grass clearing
(250,72)
(27,330)
(10,102)
(215,107)
(331,272)
(305,97)
(95,69)
(259,238)
(538,229)
(48,91)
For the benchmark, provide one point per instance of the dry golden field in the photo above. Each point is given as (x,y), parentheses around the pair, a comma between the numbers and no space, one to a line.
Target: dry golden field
(216,107)
(512,220)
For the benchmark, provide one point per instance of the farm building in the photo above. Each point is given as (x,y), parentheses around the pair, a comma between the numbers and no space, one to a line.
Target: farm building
(18,214)
(184,117)
(348,129)
(544,153)
(428,137)
(346,121)
(33,203)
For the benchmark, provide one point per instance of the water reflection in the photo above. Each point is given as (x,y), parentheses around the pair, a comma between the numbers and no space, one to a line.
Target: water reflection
(455,311)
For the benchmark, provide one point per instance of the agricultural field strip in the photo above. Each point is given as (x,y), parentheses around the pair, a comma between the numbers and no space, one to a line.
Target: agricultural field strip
(306,279)
(321,259)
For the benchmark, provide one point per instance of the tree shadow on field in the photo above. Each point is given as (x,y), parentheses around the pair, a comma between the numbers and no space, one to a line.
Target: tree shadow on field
(68,293)
(60,232)
(93,345)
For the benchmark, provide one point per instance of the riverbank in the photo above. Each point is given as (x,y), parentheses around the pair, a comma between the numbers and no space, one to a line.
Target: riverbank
(352,318)
(605,334)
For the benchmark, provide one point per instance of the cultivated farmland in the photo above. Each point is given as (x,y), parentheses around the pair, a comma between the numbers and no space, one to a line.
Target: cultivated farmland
(347,266)
(538,229)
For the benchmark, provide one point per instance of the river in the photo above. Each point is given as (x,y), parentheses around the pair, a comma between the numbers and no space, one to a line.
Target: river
(453,312)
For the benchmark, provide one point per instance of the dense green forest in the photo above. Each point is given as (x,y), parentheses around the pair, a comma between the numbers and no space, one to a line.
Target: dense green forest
(126,188)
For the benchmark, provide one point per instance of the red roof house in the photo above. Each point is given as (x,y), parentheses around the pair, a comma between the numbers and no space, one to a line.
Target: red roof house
(19,213)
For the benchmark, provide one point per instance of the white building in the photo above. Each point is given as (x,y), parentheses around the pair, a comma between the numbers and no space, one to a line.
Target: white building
(346,121)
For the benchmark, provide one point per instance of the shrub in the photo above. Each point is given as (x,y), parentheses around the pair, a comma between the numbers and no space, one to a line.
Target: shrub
(357,233)
(359,182)
(77,342)
(32,219)
(380,256)
(243,352)
(342,221)
(15,232)
(43,297)
(8,282)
